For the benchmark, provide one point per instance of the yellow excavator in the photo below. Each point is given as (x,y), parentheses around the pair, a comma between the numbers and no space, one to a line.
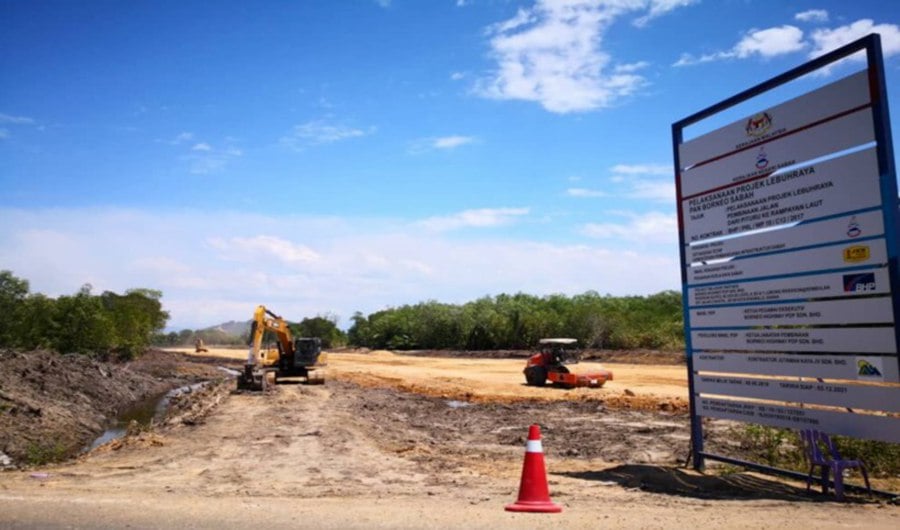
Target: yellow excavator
(298,360)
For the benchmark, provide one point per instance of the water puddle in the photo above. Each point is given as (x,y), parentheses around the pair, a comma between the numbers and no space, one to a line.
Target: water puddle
(143,412)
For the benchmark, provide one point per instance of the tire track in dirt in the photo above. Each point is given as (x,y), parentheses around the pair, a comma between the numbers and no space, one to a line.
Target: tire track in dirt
(289,442)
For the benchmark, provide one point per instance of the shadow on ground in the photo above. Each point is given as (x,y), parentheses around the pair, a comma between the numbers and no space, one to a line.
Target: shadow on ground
(688,483)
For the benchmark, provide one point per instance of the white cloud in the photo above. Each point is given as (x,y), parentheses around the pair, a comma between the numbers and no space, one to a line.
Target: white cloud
(652,227)
(161,265)
(651,182)
(826,40)
(642,181)
(477,218)
(654,190)
(585,192)
(765,43)
(642,169)
(687,59)
(181,138)
(206,165)
(318,132)
(457,76)
(451,142)
(661,7)
(787,39)
(8,119)
(214,266)
(265,246)
(552,54)
(632,67)
(770,42)
(812,15)
(444,143)
(204,159)
(16,120)
(523,17)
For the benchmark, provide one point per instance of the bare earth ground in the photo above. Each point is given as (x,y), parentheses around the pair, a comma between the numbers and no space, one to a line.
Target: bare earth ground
(53,404)
(396,441)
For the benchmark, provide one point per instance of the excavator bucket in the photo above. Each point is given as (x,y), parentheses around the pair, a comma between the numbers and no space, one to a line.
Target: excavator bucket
(251,379)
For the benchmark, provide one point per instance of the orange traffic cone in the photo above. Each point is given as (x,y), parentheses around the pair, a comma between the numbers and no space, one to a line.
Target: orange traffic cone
(534,496)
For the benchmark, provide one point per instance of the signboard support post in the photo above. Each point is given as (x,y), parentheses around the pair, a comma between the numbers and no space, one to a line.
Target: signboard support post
(885,160)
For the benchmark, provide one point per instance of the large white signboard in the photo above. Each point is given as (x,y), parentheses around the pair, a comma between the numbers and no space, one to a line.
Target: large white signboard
(842,133)
(835,98)
(858,311)
(814,392)
(868,426)
(832,284)
(867,368)
(844,255)
(844,228)
(789,230)
(845,339)
(806,193)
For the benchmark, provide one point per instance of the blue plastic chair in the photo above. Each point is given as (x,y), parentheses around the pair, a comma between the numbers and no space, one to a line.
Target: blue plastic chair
(829,460)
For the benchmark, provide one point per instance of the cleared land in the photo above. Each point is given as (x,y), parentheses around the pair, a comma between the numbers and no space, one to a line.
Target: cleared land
(497,380)
(399,441)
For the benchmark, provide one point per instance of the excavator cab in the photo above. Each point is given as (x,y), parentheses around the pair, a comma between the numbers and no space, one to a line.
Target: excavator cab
(307,351)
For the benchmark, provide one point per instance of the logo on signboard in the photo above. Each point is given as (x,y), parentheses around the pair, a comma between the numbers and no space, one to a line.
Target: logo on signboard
(758,124)
(859,283)
(856,253)
(869,368)
(853,228)
(762,159)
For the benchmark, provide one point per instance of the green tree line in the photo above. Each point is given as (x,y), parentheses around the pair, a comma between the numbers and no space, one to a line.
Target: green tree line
(125,324)
(323,327)
(105,324)
(189,337)
(518,321)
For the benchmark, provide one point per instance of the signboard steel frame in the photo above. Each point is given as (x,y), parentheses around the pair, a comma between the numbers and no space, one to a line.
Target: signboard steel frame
(889,209)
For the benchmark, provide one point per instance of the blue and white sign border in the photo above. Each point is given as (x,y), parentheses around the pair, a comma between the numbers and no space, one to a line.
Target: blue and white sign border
(738,344)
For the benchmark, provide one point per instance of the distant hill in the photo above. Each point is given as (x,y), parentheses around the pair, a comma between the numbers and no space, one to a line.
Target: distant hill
(232,328)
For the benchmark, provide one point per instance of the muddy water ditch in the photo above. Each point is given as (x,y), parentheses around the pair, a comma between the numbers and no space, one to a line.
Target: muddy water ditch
(53,405)
(142,414)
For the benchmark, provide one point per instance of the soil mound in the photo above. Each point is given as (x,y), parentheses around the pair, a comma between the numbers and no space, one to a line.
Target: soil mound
(52,405)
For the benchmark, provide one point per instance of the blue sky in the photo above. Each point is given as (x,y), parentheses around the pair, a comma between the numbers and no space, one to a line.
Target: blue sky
(324,157)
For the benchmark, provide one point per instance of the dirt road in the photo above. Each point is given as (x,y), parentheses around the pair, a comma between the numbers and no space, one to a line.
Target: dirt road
(363,452)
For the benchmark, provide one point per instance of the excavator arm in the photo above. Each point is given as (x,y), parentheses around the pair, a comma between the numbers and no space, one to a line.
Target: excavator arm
(292,359)
(265,320)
